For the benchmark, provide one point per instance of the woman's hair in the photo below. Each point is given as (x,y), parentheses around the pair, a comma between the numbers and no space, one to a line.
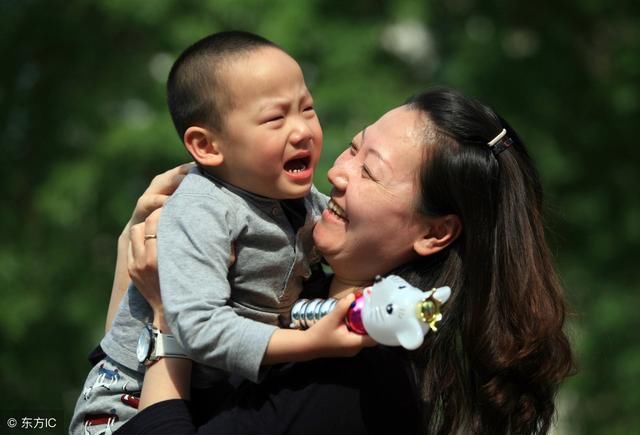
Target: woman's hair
(500,353)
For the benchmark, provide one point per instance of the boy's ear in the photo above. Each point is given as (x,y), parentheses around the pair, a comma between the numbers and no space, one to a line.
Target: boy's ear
(441,232)
(203,145)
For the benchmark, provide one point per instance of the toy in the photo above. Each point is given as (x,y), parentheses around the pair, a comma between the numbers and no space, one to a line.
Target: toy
(391,311)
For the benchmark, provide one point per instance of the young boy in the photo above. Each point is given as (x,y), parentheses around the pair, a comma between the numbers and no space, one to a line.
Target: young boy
(234,241)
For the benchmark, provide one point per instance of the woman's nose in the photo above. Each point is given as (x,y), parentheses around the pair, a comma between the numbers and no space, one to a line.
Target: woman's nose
(337,175)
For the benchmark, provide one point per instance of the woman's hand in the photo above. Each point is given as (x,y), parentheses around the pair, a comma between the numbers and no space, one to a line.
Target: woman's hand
(160,189)
(153,198)
(143,265)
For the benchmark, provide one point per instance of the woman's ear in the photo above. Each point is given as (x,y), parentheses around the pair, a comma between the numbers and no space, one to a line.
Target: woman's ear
(203,145)
(441,232)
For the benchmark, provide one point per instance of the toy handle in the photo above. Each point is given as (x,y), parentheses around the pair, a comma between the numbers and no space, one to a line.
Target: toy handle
(307,312)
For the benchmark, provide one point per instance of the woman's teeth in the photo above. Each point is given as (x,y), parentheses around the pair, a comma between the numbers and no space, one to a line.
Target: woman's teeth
(337,210)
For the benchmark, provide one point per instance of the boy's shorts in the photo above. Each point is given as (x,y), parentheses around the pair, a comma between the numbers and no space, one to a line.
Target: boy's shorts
(109,398)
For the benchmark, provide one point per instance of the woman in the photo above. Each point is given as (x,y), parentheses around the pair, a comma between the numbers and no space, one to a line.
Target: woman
(439,191)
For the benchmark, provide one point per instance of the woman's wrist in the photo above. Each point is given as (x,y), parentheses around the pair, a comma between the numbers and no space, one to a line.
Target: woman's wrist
(167,379)
(160,323)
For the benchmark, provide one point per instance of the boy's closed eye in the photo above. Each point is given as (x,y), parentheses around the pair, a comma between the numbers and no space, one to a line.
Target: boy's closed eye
(272,118)
(309,111)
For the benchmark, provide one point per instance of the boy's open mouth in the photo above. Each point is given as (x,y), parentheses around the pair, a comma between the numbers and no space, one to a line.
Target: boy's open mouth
(297,165)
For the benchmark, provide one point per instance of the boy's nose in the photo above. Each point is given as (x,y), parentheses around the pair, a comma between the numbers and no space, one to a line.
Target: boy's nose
(301,131)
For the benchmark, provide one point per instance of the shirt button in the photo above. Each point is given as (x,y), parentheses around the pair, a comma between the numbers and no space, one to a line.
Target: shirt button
(275,211)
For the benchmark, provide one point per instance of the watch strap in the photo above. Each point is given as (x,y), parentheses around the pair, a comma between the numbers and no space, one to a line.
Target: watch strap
(166,346)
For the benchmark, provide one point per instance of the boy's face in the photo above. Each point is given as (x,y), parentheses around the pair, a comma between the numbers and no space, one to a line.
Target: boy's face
(271,139)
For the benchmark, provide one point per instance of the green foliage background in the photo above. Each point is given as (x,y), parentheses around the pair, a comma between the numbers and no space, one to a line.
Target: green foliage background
(83,128)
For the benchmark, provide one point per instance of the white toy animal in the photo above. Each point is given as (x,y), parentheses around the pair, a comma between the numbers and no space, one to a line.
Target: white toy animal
(397,313)
(391,311)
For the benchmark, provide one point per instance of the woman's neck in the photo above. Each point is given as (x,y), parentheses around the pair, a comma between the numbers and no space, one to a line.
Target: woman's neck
(341,287)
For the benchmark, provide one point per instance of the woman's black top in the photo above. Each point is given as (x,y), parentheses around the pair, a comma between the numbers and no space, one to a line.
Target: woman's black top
(371,393)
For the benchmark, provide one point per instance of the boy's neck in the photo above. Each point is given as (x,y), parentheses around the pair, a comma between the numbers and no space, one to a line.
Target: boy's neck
(341,287)
(218,174)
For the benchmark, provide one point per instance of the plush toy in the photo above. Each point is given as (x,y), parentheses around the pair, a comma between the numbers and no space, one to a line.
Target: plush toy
(391,311)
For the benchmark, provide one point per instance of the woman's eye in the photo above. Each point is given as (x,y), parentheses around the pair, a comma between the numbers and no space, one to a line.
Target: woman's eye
(308,108)
(353,149)
(366,173)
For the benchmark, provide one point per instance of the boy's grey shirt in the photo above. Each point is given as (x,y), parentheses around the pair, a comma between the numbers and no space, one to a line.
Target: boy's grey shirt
(222,315)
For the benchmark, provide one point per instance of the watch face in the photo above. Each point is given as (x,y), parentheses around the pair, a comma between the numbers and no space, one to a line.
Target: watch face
(144,345)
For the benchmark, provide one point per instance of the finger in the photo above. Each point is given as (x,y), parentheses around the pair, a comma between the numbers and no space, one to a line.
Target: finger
(175,176)
(131,260)
(167,182)
(135,264)
(336,317)
(343,304)
(185,167)
(137,248)
(151,244)
(151,222)
(148,203)
(145,205)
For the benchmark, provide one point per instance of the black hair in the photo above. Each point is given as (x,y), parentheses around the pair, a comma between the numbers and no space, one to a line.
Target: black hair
(196,92)
(500,353)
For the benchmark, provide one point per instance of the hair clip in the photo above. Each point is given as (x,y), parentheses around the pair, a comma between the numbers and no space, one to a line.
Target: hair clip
(500,143)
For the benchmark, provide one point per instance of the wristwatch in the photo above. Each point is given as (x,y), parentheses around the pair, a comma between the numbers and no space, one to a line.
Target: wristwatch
(153,345)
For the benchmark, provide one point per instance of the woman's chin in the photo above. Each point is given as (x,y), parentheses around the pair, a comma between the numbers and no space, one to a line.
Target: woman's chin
(327,238)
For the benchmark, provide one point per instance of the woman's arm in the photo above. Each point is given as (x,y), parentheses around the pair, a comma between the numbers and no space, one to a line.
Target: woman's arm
(120,278)
(167,378)
(161,187)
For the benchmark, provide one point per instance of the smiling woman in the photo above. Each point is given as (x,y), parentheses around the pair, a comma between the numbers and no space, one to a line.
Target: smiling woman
(433,192)
(374,190)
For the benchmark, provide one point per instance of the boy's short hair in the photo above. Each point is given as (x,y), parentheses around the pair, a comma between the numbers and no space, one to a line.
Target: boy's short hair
(196,92)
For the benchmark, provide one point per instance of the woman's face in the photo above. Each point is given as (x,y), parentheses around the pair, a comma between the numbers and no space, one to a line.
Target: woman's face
(370,225)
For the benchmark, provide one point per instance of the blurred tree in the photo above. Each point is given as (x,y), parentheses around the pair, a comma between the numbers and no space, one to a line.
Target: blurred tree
(83,128)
